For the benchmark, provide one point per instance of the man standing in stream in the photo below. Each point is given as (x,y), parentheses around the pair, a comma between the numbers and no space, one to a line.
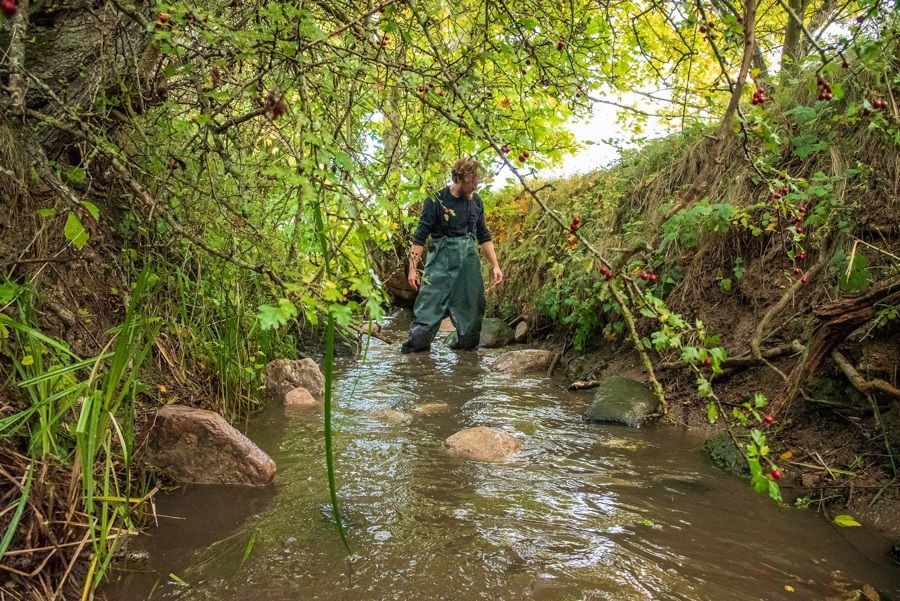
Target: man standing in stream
(452,285)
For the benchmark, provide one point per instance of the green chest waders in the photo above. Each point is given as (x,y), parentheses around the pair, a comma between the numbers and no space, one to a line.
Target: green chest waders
(452,285)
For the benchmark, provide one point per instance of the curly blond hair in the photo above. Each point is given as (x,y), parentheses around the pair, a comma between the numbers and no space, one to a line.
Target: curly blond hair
(465,169)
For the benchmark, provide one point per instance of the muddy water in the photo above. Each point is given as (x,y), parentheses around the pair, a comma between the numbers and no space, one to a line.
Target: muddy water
(585,512)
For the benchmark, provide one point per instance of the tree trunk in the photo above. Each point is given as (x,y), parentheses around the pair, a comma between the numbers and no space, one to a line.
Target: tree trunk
(790,52)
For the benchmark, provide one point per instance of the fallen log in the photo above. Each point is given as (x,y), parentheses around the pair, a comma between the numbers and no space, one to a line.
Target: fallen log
(838,319)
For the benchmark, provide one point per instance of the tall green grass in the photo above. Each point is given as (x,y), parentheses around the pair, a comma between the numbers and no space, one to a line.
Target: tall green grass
(81,413)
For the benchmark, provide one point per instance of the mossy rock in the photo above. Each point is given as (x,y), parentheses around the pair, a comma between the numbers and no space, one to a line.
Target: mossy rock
(494,333)
(722,451)
(623,401)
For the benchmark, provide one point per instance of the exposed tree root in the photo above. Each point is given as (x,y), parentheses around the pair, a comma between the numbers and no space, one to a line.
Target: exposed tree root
(866,387)
(839,318)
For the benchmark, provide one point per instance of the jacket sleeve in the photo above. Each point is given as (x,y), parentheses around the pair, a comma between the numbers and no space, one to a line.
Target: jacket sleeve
(481,231)
(426,221)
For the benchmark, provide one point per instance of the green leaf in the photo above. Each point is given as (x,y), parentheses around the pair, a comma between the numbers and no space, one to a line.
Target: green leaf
(712,411)
(75,174)
(845,521)
(75,232)
(704,387)
(274,317)
(690,354)
(92,209)
(46,212)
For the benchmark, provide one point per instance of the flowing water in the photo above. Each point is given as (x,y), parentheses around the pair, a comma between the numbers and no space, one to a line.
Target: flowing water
(586,511)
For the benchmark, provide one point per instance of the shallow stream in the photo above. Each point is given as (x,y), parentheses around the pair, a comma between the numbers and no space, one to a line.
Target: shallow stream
(585,512)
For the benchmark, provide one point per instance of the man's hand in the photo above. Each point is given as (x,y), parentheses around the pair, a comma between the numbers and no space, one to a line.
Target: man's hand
(413,278)
(498,276)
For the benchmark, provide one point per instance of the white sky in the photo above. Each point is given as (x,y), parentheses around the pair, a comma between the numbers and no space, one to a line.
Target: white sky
(598,127)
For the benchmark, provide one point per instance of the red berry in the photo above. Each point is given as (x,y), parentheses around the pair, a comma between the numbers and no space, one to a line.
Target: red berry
(711,24)
(528,61)
(525,154)
(441,93)
(799,229)
(9,8)
(740,18)
(644,275)
(609,275)
(560,46)
(460,115)
(801,209)
(707,362)
(768,419)
(652,277)
(784,191)
(447,211)
(603,270)
(776,474)
(521,158)
(163,17)
(578,95)
(804,279)
(797,271)
(801,255)
(174,165)
(430,85)
(576,219)
(860,18)
(821,96)
(573,228)
(505,149)
(702,29)
(828,96)
(777,196)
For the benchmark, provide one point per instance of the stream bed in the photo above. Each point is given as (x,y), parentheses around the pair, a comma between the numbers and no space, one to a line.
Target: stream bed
(586,511)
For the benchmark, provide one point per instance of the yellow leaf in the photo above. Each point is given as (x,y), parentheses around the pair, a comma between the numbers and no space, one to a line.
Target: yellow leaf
(162,389)
(845,521)
(27,360)
(789,588)
(504,103)
(786,455)
(771,227)
(754,73)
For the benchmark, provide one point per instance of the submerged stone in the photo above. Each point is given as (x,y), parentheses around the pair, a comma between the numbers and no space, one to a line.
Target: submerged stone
(494,333)
(482,444)
(623,401)
(724,453)
(390,415)
(517,362)
(199,446)
(299,397)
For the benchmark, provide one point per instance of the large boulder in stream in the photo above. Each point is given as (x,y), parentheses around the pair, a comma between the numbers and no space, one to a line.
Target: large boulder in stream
(284,375)
(483,444)
(623,401)
(518,362)
(494,333)
(199,446)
